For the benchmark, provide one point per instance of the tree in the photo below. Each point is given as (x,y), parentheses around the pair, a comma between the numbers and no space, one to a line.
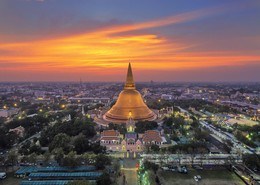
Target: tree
(71,128)
(201,135)
(81,144)
(104,179)
(98,149)
(46,157)
(35,149)
(24,150)
(239,135)
(120,127)
(58,154)
(252,161)
(175,138)
(24,159)
(101,161)
(195,124)
(70,160)
(7,138)
(175,122)
(12,158)
(116,166)
(32,158)
(79,182)
(151,166)
(2,161)
(88,158)
(143,126)
(155,148)
(60,141)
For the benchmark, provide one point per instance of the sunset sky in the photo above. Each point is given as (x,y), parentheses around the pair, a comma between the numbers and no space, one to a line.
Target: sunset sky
(167,40)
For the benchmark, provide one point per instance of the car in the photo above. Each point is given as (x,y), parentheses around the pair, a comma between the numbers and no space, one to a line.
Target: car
(173,168)
(2,152)
(182,169)
(199,177)
(2,175)
(165,168)
(196,178)
(197,167)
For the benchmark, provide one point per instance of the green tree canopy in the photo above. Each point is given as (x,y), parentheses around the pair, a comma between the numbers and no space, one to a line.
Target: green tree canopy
(101,161)
(60,141)
(70,160)
(151,166)
(143,126)
(81,144)
(104,179)
(71,128)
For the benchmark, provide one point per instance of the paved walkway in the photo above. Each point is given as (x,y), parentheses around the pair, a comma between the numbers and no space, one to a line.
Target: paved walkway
(130,171)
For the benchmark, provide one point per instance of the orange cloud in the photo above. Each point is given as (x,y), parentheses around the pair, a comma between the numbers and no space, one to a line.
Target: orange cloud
(107,49)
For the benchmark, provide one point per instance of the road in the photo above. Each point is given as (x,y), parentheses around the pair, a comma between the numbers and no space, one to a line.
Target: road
(130,171)
(222,136)
(189,159)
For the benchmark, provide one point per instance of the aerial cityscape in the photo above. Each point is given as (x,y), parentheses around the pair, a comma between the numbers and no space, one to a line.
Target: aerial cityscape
(129,92)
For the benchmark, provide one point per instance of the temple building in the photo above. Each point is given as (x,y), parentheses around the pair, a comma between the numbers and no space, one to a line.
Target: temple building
(111,139)
(130,141)
(129,104)
(151,137)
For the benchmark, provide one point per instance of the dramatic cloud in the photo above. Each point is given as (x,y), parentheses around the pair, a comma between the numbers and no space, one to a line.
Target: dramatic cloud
(103,52)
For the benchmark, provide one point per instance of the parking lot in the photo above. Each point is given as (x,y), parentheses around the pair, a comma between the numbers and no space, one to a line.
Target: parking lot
(208,177)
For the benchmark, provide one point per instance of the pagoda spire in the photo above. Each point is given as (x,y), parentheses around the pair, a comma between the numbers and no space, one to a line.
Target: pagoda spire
(129,84)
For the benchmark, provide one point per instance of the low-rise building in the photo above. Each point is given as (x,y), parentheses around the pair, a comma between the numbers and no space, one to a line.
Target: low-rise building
(8,113)
(110,139)
(151,137)
(18,131)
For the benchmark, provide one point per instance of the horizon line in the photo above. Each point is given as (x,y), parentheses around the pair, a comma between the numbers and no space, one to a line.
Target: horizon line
(135,82)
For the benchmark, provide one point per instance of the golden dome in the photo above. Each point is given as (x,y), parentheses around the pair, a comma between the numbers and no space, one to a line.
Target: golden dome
(129,104)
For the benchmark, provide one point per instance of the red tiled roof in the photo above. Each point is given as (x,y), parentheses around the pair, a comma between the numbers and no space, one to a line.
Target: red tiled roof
(152,135)
(110,133)
(109,138)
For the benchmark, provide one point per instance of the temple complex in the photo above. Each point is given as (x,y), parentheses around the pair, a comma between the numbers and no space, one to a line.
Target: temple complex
(130,141)
(128,109)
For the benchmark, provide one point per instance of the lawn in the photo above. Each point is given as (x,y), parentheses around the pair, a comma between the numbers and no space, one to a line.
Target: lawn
(209,177)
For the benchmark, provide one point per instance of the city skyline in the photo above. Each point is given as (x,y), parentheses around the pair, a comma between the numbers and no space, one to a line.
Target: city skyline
(47,40)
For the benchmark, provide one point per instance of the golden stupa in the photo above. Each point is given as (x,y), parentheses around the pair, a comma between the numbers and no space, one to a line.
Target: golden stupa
(129,104)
